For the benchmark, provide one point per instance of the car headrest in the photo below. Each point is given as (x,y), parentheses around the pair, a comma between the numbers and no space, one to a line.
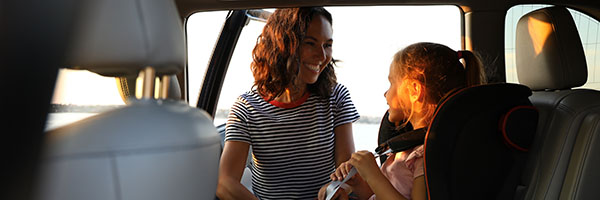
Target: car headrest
(121,37)
(475,138)
(127,87)
(548,51)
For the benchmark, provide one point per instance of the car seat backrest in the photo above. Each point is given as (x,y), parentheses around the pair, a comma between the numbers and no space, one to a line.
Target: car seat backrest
(551,61)
(478,141)
(581,180)
(148,149)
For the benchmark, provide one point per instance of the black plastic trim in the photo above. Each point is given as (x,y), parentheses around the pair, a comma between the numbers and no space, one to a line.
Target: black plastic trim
(219,62)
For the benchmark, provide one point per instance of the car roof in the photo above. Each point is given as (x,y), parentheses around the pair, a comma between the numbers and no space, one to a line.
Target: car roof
(187,7)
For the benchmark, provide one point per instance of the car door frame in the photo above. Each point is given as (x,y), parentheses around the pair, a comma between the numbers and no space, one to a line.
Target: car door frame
(219,61)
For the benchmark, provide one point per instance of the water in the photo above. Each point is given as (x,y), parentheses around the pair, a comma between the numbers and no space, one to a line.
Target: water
(365,136)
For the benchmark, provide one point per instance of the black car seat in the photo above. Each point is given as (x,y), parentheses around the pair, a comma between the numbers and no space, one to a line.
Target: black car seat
(388,131)
(152,148)
(477,143)
(565,154)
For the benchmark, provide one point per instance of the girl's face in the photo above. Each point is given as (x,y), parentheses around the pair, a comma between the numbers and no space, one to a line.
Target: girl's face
(315,50)
(396,97)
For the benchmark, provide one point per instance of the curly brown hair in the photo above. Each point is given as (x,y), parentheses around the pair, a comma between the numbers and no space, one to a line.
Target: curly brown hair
(275,62)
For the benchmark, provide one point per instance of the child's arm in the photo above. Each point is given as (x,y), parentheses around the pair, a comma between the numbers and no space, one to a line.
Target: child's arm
(365,164)
(418,190)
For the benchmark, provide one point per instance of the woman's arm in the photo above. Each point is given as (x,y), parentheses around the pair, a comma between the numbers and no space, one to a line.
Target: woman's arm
(231,169)
(344,143)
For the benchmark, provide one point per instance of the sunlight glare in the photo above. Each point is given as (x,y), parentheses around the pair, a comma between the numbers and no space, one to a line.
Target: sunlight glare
(539,32)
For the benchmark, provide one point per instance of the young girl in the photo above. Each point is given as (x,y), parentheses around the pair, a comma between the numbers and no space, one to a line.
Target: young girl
(297,118)
(420,75)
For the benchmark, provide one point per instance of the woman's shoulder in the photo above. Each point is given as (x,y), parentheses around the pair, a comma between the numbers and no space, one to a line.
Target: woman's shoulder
(250,95)
(339,87)
(339,90)
(248,98)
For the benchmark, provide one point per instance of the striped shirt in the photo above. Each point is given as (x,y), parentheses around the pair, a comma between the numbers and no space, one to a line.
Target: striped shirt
(293,148)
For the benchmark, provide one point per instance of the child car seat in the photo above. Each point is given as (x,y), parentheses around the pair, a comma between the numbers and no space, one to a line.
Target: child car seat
(477,143)
(387,131)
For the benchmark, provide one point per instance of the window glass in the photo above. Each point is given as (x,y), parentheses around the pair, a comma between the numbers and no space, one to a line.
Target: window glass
(589,31)
(365,40)
(79,94)
(202,29)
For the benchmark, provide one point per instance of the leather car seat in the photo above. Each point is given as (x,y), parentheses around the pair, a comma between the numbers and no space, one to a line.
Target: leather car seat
(551,61)
(151,148)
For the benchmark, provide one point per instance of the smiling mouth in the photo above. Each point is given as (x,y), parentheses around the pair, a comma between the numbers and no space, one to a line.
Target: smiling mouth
(314,68)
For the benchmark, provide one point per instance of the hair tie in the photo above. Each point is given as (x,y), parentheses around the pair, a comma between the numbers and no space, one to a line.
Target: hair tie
(459,54)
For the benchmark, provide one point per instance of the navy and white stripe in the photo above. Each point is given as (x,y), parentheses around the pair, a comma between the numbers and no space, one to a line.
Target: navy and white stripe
(293,148)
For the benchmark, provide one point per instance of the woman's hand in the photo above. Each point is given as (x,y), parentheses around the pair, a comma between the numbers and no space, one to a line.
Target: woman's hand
(341,172)
(365,164)
(340,194)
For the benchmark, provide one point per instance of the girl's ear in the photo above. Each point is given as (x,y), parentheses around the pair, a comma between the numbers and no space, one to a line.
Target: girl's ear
(415,91)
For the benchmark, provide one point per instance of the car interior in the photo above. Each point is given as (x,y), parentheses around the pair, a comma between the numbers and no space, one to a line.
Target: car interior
(532,132)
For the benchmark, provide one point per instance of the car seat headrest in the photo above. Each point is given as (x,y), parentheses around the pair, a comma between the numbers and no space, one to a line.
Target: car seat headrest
(119,38)
(403,141)
(548,50)
(127,88)
(389,130)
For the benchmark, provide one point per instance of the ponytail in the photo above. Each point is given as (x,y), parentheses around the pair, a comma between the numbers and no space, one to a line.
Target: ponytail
(473,68)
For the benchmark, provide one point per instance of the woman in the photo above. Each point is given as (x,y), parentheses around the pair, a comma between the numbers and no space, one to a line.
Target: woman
(297,118)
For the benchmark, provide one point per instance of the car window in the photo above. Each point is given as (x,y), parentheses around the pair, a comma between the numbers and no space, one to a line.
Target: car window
(79,94)
(365,40)
(202,30)
(589,33)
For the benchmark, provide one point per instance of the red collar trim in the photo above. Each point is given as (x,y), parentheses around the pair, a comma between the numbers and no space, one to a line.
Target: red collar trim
(291,104)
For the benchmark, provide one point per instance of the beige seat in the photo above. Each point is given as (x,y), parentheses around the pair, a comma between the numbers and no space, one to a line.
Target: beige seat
(565,154)
(149,149)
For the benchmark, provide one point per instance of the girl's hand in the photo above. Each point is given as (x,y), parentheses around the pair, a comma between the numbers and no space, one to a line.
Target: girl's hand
(365,164)
(341,172)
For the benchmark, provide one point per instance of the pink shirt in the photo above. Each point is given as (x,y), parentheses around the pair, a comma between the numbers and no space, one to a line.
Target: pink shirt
(402,168)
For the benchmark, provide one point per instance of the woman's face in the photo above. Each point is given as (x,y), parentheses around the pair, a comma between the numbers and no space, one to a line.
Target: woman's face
(396,97)
(315,50)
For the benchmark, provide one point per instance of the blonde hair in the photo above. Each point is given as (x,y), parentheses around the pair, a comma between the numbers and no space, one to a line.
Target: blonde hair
(439,70)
